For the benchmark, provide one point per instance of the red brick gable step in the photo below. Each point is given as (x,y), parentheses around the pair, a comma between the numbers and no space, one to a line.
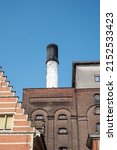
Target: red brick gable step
(16,132)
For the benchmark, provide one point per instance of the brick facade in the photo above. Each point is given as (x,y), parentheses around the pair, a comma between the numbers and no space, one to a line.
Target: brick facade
(51,103)
(86,114)
(77,104)
(19,135)
(77,107)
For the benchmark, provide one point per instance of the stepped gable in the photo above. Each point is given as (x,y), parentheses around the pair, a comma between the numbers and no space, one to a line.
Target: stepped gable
(5,88)
(20,135)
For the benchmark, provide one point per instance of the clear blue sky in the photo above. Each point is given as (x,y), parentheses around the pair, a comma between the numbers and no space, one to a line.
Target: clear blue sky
(28,26)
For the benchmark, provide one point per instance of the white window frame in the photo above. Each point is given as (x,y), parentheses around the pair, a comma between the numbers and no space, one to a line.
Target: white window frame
(5,122)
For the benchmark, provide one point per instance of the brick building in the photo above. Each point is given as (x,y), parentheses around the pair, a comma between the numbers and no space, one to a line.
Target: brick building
(86,80)
(53,111)
(16,132)
(66,116)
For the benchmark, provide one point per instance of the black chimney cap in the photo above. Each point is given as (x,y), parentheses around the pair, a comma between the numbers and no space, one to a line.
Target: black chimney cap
(52,52)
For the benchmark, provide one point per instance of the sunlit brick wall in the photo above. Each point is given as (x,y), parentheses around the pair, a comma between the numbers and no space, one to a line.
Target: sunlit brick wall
(16,132)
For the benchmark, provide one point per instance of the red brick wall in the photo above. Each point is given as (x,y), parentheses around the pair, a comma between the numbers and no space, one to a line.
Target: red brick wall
(86,118)
(20,137)
(77,104)
(51,103)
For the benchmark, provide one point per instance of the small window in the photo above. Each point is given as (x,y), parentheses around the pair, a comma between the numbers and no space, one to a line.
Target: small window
(97,78)
(62,148)
(62,131)
(98,127)
(97,110)
(41,130)
(96,97)
(39,117)
(62,117)
(6,122)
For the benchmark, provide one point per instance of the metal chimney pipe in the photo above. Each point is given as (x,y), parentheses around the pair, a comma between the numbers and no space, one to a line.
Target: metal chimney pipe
(52,66)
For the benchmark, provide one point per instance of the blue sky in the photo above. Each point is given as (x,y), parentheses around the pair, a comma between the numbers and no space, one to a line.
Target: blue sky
(28,26)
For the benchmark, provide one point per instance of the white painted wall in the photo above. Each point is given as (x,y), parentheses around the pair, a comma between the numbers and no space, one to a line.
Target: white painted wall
(52,74)
(85,76)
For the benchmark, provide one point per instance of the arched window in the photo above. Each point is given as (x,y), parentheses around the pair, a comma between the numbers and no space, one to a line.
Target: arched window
(97,97)
(97,110)
(62,148)
(39,117)
(62,131)
(62,117)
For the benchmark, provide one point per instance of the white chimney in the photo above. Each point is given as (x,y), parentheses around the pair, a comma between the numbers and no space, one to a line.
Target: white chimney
(52,66)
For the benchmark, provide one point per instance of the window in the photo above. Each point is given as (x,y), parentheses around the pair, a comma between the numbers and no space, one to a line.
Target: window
(6,122)
(62,148)
(97,110)
(97,78)
(96,97)
(41,130)
(39,117)
(98,127)
(62,131)
(62,117)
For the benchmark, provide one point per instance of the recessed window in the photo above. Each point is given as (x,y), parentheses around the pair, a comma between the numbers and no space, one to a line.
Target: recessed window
(97,110)
(98,127)
(97,78)
(62,117)
(62,148)
(41,130)
(39,117)
(62,131)
(96,97)
(6,122)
